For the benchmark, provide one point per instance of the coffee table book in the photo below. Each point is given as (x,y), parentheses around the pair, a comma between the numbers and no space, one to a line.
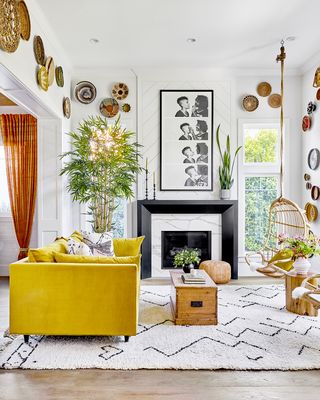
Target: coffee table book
(188,279)
(193,304)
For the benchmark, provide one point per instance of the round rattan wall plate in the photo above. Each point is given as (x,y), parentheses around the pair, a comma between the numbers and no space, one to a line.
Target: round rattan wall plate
(318,94)
(311,212)
(38,49)
(306,177)
(43,80)
(250,103)
(109,107)
(66,106)
(314,159)
(274,100)
(25,24)
(9,26)
(120,91)
(306,123)
(50,69)
(126,107)
(264,89)
(59,76)
(85,92)
(308,185)
(315,192)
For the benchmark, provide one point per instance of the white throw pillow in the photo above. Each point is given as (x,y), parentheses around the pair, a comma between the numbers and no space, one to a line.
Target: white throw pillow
(78,248)
(99,243)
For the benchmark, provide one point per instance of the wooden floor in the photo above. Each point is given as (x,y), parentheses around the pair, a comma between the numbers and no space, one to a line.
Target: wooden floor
(143,384)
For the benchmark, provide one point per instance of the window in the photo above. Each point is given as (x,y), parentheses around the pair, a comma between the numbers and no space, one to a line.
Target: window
(4,194)
(119,218)
(259,178)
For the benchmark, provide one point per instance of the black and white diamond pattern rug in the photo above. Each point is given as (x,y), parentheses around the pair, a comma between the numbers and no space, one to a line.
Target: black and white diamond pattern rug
(255,332)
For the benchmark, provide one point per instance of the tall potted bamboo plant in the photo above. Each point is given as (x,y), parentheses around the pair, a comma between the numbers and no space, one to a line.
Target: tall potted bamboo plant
(101,168)
(226,167)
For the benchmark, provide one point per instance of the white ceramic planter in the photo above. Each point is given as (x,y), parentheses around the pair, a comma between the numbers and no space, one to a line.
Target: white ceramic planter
(301,266)
(225,194)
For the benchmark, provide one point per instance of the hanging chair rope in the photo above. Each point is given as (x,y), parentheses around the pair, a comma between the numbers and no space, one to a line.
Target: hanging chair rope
(281,57)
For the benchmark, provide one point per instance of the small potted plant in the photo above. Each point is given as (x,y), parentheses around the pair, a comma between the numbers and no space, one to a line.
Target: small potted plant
(186,259)
(226,167)
(302,249)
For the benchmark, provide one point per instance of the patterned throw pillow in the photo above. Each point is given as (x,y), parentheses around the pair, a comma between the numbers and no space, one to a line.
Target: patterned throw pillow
(99,243)
(78,248)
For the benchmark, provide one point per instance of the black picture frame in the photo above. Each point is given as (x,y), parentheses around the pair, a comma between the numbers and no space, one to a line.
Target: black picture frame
(186,140)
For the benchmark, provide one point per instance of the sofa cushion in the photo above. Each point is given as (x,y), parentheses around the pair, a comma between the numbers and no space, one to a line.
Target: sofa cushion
(45,254)
(76,235)
(78,248)
(70,258)
(127,246)
(100,243)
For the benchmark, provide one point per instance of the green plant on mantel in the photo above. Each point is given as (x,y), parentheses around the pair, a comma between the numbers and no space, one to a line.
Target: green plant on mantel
(101,167)
(185,257)
(227,165)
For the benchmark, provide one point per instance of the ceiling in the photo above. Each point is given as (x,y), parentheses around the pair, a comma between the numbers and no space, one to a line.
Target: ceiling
(154,33)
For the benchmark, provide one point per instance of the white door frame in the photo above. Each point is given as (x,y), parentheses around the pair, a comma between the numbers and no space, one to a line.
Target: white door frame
(49,193)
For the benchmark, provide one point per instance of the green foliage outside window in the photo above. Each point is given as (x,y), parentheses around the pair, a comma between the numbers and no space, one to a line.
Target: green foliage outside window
(261,147)
(260,191)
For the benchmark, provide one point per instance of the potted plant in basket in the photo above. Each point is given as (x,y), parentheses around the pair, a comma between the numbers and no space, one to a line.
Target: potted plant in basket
(302,249)
(186,259)
(226,167)
(102,168)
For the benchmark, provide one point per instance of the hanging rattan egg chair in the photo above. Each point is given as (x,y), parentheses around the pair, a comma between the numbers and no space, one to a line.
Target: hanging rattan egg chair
(285,216)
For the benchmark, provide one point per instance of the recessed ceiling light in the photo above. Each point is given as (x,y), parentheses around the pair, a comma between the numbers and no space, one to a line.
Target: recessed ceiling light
(191,40)
(94,41)
(290,38)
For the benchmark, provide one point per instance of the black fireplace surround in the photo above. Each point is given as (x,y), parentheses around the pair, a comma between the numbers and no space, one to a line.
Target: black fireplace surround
(227,208)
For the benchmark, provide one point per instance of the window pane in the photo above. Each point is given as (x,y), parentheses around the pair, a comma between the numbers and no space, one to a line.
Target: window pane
(259,194)
(260,145)
(118,220)
(4,195)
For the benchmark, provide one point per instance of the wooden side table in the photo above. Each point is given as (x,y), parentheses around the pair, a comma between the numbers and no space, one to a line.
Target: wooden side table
(298,306)
(194,304)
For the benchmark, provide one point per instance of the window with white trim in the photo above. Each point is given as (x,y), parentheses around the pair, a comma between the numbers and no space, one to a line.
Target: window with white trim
(4,194)
(259,180)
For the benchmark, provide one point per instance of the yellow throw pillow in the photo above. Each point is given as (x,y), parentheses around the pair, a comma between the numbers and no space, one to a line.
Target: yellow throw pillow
(71,258)
(45,254)
(283,259)
(76,236)
(127,246)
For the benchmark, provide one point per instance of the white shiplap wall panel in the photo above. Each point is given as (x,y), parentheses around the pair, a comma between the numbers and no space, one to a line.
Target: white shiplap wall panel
(149,129)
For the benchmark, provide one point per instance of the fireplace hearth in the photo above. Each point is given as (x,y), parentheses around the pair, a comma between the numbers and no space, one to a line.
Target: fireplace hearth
(174,241)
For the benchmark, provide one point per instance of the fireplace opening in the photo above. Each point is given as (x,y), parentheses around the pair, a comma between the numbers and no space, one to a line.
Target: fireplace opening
(174,241)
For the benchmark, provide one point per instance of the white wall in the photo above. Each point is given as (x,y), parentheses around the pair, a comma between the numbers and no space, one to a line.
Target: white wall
(150,82)
(310,139)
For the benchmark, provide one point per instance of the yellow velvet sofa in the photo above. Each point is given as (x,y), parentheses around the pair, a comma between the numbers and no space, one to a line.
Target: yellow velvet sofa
(65,298)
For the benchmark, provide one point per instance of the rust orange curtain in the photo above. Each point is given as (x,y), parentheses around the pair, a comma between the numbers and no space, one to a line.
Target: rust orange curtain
(19,132)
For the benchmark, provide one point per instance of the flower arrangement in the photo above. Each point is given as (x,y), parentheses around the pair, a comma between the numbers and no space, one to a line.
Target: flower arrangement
(186,257)
(301,247)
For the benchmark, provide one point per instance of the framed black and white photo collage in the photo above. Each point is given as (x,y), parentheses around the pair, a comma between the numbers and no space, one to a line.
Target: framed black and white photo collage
(186,140)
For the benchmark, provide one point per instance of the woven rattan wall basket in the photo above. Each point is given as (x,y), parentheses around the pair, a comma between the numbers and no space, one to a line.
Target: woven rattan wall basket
(9,26)
(25,25)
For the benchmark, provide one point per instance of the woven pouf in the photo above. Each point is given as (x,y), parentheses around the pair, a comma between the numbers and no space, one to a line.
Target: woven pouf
(219,271)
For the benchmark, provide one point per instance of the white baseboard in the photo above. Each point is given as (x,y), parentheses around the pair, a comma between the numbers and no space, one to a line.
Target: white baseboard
(4,270)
